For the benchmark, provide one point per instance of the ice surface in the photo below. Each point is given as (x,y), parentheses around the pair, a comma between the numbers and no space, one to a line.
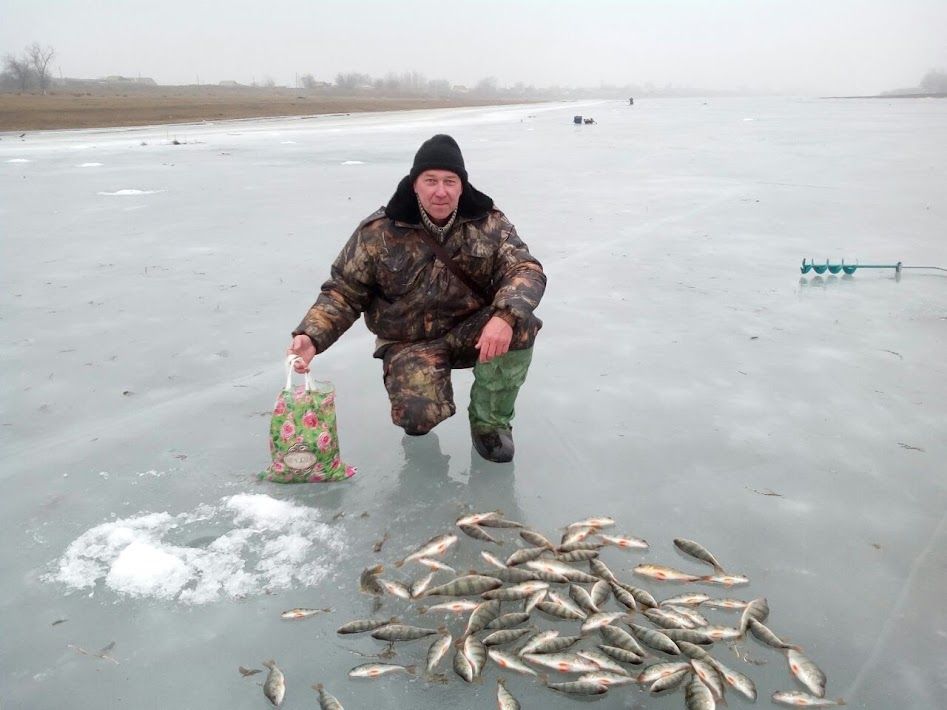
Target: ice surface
(689,382)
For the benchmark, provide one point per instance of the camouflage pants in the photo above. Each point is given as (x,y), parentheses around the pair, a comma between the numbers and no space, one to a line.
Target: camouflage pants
(418,375)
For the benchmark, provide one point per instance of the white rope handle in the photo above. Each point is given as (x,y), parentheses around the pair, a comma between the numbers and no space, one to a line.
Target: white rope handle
(290,359)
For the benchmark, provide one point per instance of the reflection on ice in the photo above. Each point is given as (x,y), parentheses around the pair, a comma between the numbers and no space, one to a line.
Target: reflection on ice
(264,544)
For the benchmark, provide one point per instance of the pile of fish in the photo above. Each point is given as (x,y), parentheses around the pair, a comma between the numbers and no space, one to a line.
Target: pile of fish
(641,641)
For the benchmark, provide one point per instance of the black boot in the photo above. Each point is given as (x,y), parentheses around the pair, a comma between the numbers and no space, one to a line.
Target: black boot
(493,444)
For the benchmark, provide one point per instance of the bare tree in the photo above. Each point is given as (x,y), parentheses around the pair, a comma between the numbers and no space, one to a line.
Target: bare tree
(39,58)
(20,71)
(307,81)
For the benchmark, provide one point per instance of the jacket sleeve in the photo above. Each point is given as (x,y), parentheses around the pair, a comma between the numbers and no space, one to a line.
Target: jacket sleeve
(518,277)
(343,297)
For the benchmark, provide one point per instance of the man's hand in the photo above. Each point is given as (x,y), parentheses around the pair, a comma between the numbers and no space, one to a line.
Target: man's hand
(302,347)
(494,339)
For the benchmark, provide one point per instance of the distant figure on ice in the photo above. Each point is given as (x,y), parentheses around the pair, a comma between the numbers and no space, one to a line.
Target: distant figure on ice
(444,282)
(631,102)
(588,120)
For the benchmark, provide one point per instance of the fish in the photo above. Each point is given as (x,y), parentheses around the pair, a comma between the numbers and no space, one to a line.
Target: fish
(576,555)
(621,654)
(556,598)
(368,581)
(502,636)
(303,613)
(697,696)
(517,591)
(437,650)
(509,662)
(562,662)
(508,621)
(437,545)
(374,670)
(603,661)
(478,533)
(599,592)
(535,539)
(515,575)
(462,665)
(741,683)
(726,604)
(601,570)
(464,586)
(602,521)
(476,653)
(579,687)
(553,645)
(694,616)
(536,641)
(571,537)
(763,633)
(661,670)
(499,522)
(668,619)
(709,676)
(691,650)
(602,618)
(455,606)
(403,632)
(579,545)
(561,569)
(581,597)
(359,626)
(757,609)
(693,636)
(420,586)
(796,698)
(806,672)
(492,560)
(628,543)
(669,682)
(686,599)
(483,614)
(524,554)
(721,633)
(607,678)
(505,699)
(396,589)
(533,600)
(435,565)
(274,687)
(664,574)
(726,580)
(477,518)
(698,552)
(245,672)
(655,639)
(615,636)
(642,596)
(624,597)
(560,611)
(327,701)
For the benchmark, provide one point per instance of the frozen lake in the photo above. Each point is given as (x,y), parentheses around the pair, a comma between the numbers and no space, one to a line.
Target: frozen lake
(688,382)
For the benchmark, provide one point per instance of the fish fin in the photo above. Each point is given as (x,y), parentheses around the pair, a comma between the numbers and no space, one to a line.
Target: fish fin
(399,563)
(442,629)
(544,678)
(269,664)
(840,701)
(318,687)
(422,609)
(413,670)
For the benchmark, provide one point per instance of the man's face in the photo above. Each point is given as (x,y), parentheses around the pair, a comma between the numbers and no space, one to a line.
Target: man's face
(439,192)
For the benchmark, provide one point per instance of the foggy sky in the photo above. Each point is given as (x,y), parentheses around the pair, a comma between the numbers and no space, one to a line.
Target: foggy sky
(784,46)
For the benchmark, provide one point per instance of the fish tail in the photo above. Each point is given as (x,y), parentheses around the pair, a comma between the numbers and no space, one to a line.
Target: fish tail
(319,687)
(422,610)
(840,701)
(413,670)
(399,563)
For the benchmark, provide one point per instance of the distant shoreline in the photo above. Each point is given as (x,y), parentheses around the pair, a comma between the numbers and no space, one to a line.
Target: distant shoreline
(892,96)
(136,106)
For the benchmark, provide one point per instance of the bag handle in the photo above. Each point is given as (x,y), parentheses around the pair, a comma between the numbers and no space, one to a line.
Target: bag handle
(290,359)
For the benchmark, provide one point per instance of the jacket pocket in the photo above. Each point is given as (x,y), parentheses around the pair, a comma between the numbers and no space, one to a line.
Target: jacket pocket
(397,273)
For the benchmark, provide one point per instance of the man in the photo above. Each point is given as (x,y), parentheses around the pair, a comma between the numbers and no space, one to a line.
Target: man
(470,306)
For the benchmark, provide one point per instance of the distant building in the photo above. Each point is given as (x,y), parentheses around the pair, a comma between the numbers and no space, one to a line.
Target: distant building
(229,82)
(118,79)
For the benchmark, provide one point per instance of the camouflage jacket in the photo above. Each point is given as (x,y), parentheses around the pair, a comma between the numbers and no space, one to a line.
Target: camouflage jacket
(387,272)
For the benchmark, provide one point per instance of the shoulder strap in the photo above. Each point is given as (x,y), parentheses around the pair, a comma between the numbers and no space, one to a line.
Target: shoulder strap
(441,253)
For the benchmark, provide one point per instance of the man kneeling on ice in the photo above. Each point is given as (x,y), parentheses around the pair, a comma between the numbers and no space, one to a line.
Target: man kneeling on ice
(444,282)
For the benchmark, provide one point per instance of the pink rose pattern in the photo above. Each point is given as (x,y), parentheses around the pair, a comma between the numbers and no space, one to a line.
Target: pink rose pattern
(305,422)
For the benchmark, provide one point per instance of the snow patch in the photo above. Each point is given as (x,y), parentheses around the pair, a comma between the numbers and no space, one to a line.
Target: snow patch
(19,160)
(90,165)
(131,192)
(247,544)
(353,162)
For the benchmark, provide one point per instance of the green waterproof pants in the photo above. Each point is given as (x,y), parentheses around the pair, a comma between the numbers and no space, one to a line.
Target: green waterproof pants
(496,384)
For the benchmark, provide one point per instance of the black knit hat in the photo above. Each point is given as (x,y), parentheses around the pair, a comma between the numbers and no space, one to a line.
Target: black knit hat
(440,152)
